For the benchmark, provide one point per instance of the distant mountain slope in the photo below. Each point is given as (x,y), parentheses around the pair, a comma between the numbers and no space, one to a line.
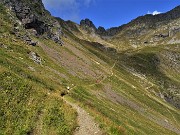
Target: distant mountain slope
(145,30)
(150,30)
(150,20)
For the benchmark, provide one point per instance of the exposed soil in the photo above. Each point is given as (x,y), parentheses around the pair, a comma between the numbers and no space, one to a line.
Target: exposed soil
(118,99)
(75,65)
(87,125)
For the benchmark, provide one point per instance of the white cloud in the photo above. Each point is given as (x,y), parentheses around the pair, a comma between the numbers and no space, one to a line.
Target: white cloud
(154,12)
(67,9)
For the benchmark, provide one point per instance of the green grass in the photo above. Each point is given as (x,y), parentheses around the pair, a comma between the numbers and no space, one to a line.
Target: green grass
(119,121)
(24,100)
(27,101)
(15,112)
(145,63)
(23,103)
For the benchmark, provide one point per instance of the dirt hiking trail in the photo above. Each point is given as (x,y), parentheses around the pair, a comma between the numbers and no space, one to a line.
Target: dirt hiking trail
(87,125)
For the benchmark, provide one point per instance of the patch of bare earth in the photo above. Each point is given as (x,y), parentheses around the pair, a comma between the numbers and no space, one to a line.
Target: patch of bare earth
(119,99)
(87,125)
(75,65)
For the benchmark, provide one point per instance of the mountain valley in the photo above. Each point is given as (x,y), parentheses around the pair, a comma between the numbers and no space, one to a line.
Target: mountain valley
(125,80)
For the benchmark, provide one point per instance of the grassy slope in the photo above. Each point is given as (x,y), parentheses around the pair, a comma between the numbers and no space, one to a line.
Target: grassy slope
(149,114)
(27,100)
(102,83)
(123,117)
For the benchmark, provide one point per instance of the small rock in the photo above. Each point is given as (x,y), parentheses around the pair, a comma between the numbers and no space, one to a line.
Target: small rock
(3,46)
(35,57)
(33,43)
(31,68)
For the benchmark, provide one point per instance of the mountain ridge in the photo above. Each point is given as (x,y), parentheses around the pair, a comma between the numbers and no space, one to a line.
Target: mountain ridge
(169,15)
(143,31)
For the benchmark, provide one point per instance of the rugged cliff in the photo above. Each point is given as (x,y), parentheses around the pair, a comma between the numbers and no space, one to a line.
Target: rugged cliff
(32,15)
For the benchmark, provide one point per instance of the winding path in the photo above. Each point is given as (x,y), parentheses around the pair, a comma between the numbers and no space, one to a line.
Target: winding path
(87,125)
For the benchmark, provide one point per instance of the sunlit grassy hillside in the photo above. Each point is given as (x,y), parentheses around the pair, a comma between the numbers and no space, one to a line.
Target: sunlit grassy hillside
(134,91)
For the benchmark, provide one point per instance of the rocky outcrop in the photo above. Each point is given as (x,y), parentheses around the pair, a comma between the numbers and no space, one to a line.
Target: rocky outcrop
(101,31)
(87,24)
(35,57)
(33,15)
(25,37)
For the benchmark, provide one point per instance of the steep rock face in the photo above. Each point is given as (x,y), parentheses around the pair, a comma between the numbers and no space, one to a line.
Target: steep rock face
(101,31)
(33,15)
(88,25)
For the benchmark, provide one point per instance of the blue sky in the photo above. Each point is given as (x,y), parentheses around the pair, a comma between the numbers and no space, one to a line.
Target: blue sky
(107,13)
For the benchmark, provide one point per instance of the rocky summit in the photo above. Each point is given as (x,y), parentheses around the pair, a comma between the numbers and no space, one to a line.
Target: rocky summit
(58,77)
(32,15)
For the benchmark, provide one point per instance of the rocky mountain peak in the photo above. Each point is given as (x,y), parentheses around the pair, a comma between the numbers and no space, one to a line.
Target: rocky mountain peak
(33,15)
(86,23)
